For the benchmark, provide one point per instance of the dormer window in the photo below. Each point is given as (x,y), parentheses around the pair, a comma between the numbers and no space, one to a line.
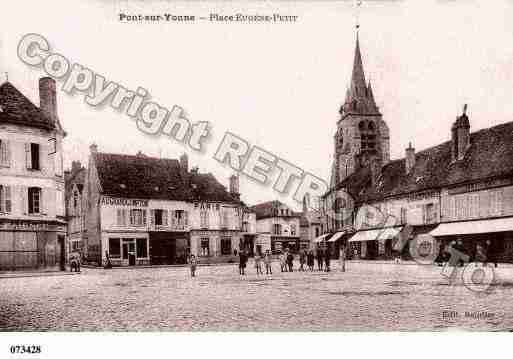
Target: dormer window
(122,185)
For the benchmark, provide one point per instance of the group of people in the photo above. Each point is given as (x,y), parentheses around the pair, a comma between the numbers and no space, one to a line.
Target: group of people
(286,260)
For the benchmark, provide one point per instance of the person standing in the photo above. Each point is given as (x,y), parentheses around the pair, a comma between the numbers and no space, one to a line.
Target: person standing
(342,258)
(242,262)
(193,263)
(267,262)
(319,259)
(327,258)
(258,263)
(283,262)
(302,260)
(290,261)
(310,260)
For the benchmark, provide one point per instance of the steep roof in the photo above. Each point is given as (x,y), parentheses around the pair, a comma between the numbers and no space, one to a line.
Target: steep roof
(490,156)
(16,109)
(268,209)
(146,177)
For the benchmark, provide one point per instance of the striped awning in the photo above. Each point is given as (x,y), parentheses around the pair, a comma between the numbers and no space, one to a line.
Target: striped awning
(474,227)
(337,236)
(376,234)
(321,238)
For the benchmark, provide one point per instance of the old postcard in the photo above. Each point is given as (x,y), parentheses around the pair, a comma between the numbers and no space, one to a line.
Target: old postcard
(259,166)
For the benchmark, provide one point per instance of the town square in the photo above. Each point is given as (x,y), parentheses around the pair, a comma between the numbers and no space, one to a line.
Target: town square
(257,168)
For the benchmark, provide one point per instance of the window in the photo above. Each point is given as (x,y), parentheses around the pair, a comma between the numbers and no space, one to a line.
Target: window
(5,199)
(34,200)
(180,219)
(204,219)
(5,154)
(292,229)
(245,227)
(121,217)
(224,219)
(430,213)
(367,136)
(403,216)
(32,156)
(316,232)
(142,248)
(137,217)
(205,247)
(75,199)
(226,246)
(114,248)
(53,145)
(157,217)
(277,228)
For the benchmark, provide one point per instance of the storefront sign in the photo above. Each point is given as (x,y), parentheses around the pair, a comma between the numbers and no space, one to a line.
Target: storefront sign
(207,205)
(480,186)
(109,201)
(31,226)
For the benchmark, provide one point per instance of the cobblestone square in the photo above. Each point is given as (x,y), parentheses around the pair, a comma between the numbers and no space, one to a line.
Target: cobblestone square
(369,296)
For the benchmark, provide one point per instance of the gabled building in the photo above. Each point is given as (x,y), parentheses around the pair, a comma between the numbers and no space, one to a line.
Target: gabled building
(281,224)
(145,211)
(32,226)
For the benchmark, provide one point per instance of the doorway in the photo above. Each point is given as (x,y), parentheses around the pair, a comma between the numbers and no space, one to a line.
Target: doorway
(129,251)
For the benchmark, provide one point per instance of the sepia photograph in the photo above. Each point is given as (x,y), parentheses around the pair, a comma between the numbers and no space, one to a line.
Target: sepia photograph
(276,167)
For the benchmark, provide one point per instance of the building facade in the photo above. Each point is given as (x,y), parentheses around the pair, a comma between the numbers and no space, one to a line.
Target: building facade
(279,223)
(151,211)
(32,226)
(74,185)
(459,190)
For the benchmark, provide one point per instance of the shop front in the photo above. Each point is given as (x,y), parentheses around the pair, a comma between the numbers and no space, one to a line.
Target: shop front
(123,249)
(169,247)
(215,246)
(495,236)
(26,244)
(281,243)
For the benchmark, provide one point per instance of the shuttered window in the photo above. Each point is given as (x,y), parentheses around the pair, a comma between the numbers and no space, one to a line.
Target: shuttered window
(5,154)
(5,199)
(34,200)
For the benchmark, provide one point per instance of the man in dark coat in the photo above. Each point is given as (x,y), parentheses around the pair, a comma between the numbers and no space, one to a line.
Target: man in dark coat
(319,259)
(327,258)
(242,262)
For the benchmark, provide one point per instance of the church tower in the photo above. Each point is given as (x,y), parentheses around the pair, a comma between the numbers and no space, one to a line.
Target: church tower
(362,136)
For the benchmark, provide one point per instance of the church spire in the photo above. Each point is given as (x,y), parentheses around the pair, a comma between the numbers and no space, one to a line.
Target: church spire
(358,76)
(359,97)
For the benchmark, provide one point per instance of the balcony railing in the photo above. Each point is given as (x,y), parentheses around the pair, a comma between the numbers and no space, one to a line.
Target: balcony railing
(173,226)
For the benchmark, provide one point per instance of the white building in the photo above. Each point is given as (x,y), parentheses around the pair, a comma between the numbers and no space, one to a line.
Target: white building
(32,226)
(142,210)
(276,219)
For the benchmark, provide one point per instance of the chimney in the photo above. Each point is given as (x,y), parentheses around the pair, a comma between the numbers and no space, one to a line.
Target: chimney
(184,163)
(75,166)
(93,148)
(460,134)
(410,159)
(48,98)
(234,186)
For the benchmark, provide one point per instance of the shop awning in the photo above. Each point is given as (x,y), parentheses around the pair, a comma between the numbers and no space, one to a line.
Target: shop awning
(375,234)
(321,238)
(473,227)
(337,236)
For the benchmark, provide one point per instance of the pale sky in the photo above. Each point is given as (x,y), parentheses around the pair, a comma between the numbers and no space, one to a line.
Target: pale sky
(279,86)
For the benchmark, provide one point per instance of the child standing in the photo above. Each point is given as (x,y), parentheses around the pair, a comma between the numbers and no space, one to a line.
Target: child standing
(193,264)
(258,263)
(267,262)
(283,262)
